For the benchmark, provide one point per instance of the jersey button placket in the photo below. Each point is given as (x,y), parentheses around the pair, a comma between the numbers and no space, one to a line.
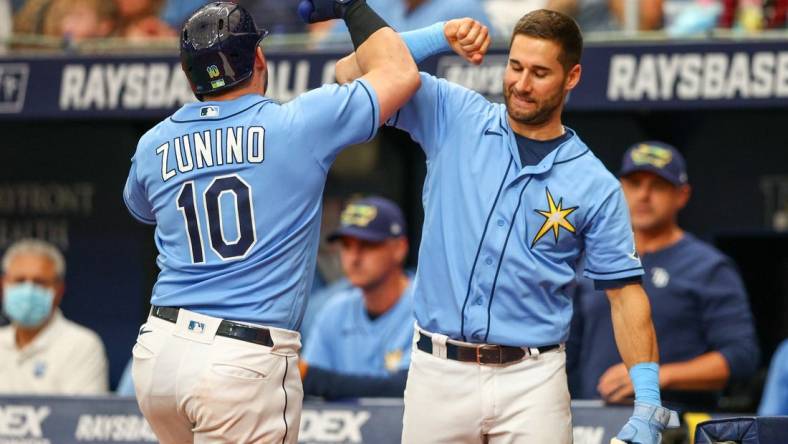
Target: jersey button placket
(476,313)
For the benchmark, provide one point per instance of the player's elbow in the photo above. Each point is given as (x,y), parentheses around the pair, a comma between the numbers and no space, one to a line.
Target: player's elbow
(402,68)
(403,81)
(411,80)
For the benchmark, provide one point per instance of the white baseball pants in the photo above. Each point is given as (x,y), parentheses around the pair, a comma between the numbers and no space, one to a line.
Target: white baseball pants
(194,386)
(455,402)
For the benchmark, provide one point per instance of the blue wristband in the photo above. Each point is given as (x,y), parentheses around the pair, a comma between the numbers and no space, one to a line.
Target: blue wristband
(645,379)
(426,42)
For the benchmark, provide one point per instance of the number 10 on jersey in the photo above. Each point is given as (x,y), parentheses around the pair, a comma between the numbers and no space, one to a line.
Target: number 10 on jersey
(231,186)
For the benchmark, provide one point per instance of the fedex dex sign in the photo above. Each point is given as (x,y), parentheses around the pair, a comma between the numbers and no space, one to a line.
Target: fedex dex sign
(22,423)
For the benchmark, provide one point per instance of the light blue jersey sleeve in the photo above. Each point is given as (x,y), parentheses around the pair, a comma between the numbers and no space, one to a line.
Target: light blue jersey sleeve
(610,243)
(332,117)
(429,115)
(775,394)
(135,199)
(317,351)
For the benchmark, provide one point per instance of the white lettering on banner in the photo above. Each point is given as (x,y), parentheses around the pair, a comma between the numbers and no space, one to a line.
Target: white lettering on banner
(22,421)
(13,86)
(280,78)
(130,86)
(113,428)
(486,79)
(588,435)
(326,426)
(123,86)
(698,76)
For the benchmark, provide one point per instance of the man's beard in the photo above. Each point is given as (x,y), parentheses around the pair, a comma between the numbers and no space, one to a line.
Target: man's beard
(544,109)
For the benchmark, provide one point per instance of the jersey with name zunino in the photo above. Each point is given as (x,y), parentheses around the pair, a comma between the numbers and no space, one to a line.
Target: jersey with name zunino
(501,241)
(234,188)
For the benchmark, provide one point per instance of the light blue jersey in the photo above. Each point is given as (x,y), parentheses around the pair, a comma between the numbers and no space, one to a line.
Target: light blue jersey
(500,242)
(775,393)
(345,340)
(234,189)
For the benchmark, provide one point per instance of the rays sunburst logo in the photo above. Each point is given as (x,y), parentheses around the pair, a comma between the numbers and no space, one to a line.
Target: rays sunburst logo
(555,219)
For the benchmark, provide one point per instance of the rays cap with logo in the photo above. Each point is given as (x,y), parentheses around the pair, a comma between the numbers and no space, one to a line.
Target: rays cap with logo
(373,219)
(655,157)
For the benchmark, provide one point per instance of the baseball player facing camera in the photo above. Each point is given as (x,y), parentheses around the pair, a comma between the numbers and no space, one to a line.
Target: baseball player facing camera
(512,200)
(233,184)
(360,344)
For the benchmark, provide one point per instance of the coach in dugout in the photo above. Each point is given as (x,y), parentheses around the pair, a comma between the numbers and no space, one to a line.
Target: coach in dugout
(42,352)
(698,302)
(361,341)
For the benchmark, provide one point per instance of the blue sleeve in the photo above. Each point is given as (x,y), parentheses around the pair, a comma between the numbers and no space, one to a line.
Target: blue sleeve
(609,242)
(333,385)
(126,383)
(431,112)
(317,351)
(727,320)
(426,42)
(775,394)
(329,118)
(135,198)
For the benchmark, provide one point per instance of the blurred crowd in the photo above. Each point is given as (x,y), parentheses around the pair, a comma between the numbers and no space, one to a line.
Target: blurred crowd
(73,21)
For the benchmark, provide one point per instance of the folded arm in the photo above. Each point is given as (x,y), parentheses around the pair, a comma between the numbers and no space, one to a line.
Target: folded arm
(467,37)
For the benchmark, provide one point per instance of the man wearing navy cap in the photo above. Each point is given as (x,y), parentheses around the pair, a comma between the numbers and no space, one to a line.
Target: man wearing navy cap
(699,305)
(361,341)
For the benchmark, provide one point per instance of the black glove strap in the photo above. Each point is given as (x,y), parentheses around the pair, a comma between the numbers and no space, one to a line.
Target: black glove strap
(362,21)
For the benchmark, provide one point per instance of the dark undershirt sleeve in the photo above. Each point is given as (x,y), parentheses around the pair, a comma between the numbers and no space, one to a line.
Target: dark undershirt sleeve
(616,283)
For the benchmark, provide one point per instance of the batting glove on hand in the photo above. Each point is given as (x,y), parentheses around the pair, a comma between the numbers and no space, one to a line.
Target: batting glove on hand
(646,424)
(312,11)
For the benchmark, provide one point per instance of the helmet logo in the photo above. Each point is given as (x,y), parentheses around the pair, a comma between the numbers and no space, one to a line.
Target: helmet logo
(213,71)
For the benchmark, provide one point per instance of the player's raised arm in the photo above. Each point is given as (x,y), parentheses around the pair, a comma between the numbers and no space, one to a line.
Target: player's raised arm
(382,57)
(467,37)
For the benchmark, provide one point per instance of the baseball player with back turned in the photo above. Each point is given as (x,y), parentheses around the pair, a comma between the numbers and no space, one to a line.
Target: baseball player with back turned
(233,184)
(512,199)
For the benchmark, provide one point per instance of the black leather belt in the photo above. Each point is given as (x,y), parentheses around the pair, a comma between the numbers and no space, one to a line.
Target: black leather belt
(482,353)
(228,329)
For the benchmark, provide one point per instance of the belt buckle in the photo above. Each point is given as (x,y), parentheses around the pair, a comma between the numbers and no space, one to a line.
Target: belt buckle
(481,348)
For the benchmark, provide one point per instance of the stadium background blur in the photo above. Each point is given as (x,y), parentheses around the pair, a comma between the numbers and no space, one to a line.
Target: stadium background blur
(62,171)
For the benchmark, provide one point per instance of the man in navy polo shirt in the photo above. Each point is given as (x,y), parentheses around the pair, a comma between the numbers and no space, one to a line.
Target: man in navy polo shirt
(698,302)
(361,341)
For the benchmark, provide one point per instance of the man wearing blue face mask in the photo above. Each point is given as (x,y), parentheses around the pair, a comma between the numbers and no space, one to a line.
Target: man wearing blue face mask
(43,352)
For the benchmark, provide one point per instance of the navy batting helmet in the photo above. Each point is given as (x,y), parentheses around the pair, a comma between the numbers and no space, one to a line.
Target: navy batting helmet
(218,45)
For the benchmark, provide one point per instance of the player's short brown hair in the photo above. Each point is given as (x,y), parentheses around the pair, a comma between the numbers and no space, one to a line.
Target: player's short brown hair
(556,27)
